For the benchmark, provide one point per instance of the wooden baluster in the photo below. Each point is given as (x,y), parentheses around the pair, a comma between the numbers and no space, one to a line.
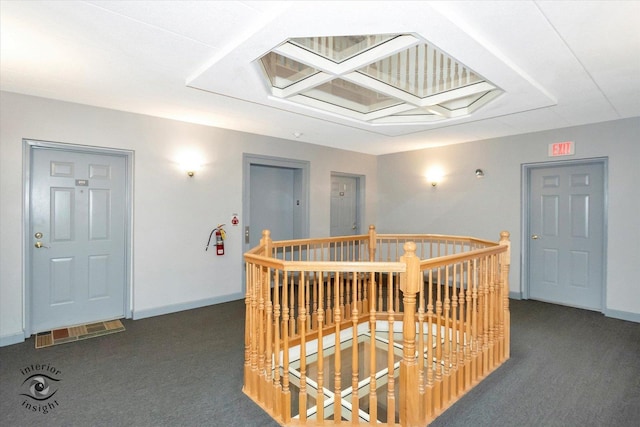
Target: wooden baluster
(285,413)
(277,387)
(504,285)
(292,306)
(268,357)
(391,392)
(438,343)
(484,291)
(499,354)
(492,309)
(397,300)
(446,392)
(355,369)
(307,301)
(409,399)
(320,320)
(337,406)
(348,300)
(255,327)
(475,339)
(421,347)
(341,289)
(373,395)
(249,333)
(499,318)
(453,334)
(314,305)
(358,280)
(261,334)
(366,288)
(329,303)
(380,284)
(302,318)
(461,321)
(468,337)
(430,353)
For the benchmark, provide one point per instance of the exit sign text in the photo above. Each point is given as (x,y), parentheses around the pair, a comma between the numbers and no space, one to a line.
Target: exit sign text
(566,148)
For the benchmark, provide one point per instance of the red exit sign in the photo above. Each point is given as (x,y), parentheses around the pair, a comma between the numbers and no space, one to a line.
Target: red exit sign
(566,148)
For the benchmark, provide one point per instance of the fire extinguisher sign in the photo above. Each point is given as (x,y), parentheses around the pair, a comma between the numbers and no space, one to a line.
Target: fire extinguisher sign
(234,220)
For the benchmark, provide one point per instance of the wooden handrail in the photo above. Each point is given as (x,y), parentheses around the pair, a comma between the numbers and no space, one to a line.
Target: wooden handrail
(457,258)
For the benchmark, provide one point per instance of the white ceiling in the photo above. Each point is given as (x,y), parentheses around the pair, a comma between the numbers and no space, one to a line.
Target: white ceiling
(560,63)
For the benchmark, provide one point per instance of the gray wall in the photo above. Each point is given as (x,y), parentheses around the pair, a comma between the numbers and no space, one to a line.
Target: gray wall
(173,214)
(464,205)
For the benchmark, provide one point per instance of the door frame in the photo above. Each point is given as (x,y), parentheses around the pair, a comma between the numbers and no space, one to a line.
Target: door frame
(28,145)
(360,194)
(525,229)
(303,169)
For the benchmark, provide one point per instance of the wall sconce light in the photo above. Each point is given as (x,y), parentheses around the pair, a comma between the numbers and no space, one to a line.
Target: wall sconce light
(434,176)
(479,173)
(190,163)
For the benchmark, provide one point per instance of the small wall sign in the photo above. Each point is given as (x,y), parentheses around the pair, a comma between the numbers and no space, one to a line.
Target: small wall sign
(566,148)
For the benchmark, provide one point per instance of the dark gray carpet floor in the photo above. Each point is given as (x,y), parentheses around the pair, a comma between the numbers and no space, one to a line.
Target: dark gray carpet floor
(568,367)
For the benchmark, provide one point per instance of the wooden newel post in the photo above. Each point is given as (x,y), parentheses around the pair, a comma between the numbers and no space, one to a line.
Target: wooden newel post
(266,241)
(410,286)
(372,243)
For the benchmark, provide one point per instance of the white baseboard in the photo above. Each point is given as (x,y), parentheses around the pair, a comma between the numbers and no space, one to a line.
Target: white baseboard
(11,339)
(622,315)
(174,308)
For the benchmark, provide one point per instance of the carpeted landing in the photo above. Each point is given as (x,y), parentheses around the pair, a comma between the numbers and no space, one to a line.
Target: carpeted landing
(76,333)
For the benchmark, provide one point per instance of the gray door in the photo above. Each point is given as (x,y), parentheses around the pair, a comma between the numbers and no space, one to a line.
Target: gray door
(272,203)
(566,224)
(77,214)
(344,205)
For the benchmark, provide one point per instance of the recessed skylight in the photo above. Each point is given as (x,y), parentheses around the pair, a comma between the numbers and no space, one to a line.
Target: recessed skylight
(390,79)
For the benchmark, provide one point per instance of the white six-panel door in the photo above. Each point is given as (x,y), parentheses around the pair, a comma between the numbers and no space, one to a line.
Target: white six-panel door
(77,231)
(566,241)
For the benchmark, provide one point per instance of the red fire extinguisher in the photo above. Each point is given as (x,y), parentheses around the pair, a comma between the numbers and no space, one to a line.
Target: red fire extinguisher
(220,236)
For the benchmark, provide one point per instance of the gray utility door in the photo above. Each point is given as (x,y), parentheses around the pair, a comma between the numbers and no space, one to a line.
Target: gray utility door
(275,198)
(344,205)
(272,203)
(77,214)
(566,241)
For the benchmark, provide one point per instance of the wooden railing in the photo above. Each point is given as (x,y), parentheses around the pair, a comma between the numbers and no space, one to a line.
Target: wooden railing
(373,329)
